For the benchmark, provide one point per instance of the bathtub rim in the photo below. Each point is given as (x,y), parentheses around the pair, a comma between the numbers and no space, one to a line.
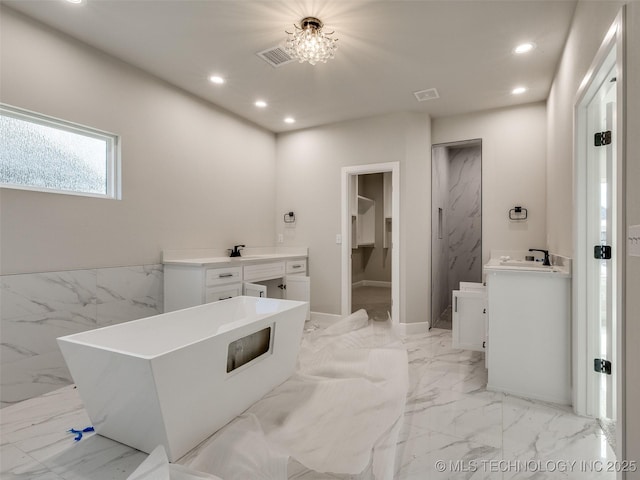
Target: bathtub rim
(75,338)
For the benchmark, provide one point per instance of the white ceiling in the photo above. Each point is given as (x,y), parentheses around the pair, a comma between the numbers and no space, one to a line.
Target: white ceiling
(387,50)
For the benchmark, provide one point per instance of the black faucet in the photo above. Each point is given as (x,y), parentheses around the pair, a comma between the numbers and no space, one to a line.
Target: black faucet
(235,251)
(546,255)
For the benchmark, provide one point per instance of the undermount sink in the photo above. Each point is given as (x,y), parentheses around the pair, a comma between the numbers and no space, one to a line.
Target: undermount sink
(522,263)
(526,265)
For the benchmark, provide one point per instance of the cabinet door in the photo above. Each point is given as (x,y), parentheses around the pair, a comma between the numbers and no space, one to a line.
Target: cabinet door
(213,294)
(263,271)
(469,328)
(254,290)
(298,288)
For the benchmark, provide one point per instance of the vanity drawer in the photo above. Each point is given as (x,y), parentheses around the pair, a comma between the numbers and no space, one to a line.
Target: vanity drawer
(296,266)
(263,271)
(223,292)
(220,276)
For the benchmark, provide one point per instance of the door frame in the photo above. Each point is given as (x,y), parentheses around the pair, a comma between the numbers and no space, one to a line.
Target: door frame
(394,168)
(613,42)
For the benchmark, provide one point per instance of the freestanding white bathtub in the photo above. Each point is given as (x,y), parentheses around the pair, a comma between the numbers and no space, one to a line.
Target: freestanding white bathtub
(176,378)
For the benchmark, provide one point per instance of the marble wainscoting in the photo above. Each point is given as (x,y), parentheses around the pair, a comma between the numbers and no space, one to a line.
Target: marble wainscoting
(37,308)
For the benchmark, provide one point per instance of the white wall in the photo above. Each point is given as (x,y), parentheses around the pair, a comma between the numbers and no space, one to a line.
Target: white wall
(590,24)
(308,172)
(308,182)
(632,334)
(513,171)
(193,175)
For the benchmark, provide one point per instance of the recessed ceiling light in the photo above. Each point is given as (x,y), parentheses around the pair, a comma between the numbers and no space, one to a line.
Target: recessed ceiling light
(217,79)
(518,90)
(524,48)
(260,104)
(289,120)
(75,1)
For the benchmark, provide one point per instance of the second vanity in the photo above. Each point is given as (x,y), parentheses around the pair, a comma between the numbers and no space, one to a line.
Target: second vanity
(194,277)
(529,347)
(524,313)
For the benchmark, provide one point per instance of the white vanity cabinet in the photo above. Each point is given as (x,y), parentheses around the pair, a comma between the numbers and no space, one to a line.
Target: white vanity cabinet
(190,283)
(296,267)
(529,337)
(223,292)
(187,286)
(263,271)
(469,317)
(285,280)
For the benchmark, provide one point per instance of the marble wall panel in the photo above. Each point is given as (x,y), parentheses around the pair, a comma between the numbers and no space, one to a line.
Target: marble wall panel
(129,293)
(465,216)
(37,308)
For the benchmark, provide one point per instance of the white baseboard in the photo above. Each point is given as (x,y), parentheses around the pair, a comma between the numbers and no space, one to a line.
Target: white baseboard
(404,329)
(371,283)
(528,395)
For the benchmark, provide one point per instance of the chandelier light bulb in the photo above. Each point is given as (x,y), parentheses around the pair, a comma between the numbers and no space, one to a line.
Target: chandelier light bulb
(308,43)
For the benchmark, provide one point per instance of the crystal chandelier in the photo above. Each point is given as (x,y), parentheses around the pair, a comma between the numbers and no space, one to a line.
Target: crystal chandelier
(308,43)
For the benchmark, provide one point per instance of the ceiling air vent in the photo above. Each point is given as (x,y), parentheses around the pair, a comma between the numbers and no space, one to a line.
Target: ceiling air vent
(429,94)
(275,56)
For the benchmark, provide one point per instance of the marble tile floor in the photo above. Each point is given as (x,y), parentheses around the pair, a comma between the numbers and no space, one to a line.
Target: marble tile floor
(452,428)
(450,417)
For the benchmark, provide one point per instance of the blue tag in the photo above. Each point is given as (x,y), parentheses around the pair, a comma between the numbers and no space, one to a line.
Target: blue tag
(78,433)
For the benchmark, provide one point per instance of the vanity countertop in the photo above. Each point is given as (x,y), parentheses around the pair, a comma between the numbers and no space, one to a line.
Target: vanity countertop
(220,261)
(220,258)
(524,266)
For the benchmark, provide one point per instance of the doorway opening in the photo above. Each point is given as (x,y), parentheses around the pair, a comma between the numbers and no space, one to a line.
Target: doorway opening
(370,240)
(372,226)
(456,223)
(598,322)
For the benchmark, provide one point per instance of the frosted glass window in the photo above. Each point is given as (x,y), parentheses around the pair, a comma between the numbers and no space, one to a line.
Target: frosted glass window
(47,154)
